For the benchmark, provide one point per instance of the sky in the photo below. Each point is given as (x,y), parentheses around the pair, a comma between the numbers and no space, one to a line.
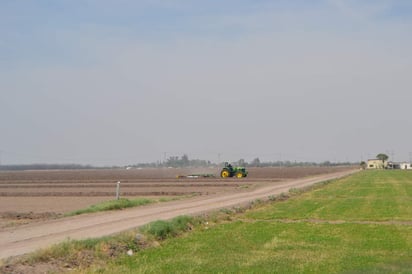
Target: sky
(107,82)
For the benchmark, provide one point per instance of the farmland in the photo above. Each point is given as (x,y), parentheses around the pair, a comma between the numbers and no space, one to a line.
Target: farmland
(39,192)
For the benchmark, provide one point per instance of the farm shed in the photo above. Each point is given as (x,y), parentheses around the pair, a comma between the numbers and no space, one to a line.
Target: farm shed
(392,165)
(405,165)
(402,165)
(376,164)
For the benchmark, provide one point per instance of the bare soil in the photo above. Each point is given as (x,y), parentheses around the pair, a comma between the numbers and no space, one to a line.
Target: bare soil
(63,191)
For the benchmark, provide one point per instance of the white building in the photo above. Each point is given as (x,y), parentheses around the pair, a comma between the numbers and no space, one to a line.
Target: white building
(405,165)
(402,165)
(376,164)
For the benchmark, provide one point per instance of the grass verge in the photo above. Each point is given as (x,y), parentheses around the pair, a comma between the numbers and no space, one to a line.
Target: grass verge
(121,204)
(94,254)
(112,205)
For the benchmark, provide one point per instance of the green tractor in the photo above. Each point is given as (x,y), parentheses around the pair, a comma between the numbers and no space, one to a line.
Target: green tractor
(230,171)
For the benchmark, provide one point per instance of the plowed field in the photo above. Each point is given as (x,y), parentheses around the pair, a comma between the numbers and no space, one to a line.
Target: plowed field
(30,194)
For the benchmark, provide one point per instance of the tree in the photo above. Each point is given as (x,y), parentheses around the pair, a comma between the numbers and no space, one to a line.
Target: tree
(383,157)
(255,162)
(363,165)
(241,162)
(185,160)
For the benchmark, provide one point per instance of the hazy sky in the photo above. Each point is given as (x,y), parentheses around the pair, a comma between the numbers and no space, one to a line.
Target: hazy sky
(121,82)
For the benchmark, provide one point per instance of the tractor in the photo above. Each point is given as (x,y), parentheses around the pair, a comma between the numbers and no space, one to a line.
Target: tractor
(230,171)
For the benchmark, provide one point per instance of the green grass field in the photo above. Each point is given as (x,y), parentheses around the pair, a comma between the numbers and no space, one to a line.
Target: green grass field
(360,224)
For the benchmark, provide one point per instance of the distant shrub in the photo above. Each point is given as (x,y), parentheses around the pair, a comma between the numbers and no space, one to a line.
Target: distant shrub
(226,211)
(296,191)
(239,209)
(283,196)
(165,229)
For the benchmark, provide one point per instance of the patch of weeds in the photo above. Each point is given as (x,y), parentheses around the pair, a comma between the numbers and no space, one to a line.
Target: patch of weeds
(296,191)
(69,254)
(324,183)
(169,199)
(213,217)
(283,196)
(239,209)
(226,211)
(111,205)
(256,202)
(165,229)
(74,254)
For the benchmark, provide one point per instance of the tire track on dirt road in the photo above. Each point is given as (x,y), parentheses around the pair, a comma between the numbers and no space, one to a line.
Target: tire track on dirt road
(28,238)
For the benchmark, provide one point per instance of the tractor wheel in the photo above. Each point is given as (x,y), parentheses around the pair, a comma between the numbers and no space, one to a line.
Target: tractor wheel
(239,174)
(224,173)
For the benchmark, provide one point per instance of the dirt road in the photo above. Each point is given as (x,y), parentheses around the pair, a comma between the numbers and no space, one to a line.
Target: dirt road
(28,238)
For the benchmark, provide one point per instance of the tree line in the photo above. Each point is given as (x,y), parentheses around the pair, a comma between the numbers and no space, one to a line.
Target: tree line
(45,167)
(175,162)
(184,161)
